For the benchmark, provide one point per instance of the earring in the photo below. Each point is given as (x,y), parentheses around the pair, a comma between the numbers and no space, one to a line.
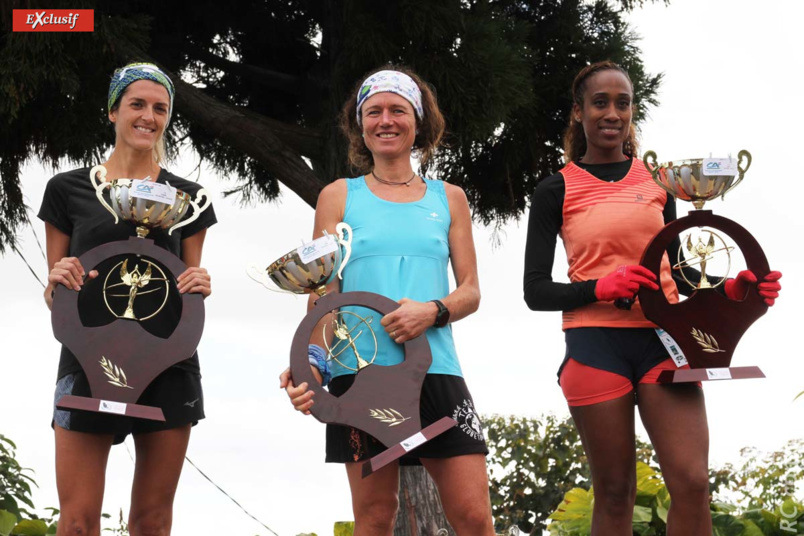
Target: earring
(417,131)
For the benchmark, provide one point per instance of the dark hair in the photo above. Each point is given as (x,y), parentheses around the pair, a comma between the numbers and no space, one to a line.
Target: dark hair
(430,128)
(574,137)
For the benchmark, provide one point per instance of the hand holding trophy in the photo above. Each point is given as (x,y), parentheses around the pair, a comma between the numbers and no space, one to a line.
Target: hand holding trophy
(121,359)
(708,325)
(384,400)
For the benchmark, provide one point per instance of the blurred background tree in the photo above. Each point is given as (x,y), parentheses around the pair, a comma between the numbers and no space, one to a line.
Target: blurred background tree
(260,85)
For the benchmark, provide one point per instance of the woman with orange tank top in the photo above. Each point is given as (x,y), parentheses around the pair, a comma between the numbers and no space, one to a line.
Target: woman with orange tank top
(606,208)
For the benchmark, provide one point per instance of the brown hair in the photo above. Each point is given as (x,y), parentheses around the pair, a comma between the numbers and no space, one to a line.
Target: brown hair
(430,129)
(574,137)
(159,152)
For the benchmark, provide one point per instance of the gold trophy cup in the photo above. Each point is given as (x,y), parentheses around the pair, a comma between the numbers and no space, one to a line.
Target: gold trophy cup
(309,267)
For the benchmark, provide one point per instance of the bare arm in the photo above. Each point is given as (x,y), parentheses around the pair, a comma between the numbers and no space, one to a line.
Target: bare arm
(63,270)
(194,278)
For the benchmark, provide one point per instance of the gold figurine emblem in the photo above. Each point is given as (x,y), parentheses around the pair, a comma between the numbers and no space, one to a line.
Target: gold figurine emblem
(135,280)
(700,253)
(344,339)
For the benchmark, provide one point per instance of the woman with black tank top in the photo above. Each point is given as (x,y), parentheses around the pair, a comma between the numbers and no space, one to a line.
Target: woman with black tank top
(606,208)
(139,106)
(407,230)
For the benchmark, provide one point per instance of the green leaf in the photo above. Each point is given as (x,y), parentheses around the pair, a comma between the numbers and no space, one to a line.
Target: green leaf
(642,514)
(726,525)
(344,528)
(30,527)
(661,511)
(7,520)
(751,529)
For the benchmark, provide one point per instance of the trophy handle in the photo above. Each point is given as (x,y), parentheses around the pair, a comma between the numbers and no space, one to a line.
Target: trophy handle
(346,242)
(651,164)
(259,275)
(742,170)
(100,187)
(197,210)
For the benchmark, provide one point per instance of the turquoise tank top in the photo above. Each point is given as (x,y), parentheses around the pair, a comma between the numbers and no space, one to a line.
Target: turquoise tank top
(399,250)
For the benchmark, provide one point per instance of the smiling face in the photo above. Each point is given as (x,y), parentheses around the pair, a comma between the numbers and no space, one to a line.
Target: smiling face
(141,115)
(606,115)
(389,125)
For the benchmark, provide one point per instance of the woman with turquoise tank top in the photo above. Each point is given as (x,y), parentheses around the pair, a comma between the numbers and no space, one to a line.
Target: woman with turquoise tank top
(406,231)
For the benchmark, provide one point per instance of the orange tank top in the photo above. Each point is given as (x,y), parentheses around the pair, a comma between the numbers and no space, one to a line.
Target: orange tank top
(607,224)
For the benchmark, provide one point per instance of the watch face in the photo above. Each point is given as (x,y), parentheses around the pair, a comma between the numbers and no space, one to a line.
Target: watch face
(442,318)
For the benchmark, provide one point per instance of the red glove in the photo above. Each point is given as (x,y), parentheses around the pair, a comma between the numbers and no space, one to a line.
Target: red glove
(737,288)
(624,282)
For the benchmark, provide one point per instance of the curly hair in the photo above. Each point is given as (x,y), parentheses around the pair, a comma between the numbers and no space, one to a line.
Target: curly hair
(574,137)
(430,128)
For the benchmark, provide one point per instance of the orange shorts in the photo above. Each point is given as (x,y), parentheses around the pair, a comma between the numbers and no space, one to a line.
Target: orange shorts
(584,385)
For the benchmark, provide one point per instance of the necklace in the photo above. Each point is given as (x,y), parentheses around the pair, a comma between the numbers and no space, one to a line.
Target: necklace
(392,183)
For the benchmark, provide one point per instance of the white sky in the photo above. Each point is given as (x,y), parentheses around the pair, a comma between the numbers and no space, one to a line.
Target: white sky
(730,70)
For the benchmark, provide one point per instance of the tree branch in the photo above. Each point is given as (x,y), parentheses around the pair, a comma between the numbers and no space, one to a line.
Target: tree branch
(264,140)
(266,77)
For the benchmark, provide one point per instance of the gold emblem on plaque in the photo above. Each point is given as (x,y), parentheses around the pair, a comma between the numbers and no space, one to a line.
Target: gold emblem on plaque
(135,280)
(389,416)
(706,341)
(699,253)
(114,373)
(344,339)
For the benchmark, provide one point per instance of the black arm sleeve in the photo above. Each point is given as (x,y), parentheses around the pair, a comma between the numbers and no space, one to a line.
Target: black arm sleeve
(677,257)
(544,223)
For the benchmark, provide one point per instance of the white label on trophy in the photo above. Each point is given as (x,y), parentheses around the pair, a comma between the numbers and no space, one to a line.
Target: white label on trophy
(718,373)
(720,166)
(152,191)
(413,441)
(107,406)
(317,248)
(672,347)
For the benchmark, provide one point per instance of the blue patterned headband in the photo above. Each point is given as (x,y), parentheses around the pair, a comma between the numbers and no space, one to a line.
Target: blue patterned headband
(132,72)
(393,82)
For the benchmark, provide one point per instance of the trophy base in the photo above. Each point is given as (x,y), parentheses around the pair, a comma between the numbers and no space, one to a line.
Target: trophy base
(709,374)
(403,447)
(108,406)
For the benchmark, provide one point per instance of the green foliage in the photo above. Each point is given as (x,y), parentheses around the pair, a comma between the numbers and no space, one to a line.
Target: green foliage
(502,71)
(15,484)
(344,528)
(532,464)
(761,477)
(573,517)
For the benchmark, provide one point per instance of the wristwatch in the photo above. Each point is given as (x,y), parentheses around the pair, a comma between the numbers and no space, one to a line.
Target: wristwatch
(442,318)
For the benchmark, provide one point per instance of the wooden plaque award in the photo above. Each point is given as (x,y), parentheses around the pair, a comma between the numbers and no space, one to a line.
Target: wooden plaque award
(121,358)
(706,326)
(383,400)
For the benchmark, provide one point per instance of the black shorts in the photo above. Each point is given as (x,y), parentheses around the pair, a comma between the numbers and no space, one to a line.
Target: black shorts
(629,352)
(443,395)
(176,391)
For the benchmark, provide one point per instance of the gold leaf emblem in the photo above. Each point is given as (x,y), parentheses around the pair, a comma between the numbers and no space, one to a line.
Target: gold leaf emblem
(390,416)
(115,374)
(707,342)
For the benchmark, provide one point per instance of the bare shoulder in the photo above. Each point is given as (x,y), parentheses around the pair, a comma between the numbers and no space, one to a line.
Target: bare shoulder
(333,192)
(455,196)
